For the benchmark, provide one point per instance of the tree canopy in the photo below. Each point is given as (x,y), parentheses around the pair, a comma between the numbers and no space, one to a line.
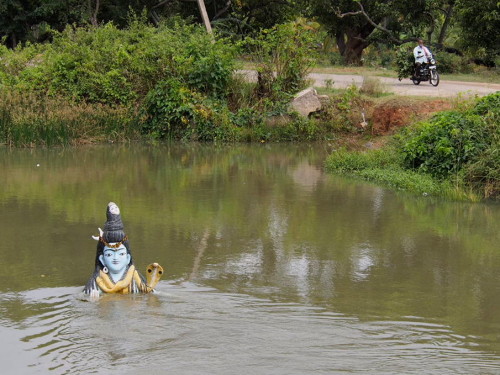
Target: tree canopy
(355,24)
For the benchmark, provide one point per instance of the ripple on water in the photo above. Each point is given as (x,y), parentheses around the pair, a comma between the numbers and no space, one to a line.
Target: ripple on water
(187,329)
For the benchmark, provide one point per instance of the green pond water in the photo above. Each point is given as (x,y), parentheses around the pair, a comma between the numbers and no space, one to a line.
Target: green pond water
(271,267)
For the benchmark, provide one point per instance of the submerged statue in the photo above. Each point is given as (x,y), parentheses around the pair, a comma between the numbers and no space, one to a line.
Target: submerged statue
(114,267)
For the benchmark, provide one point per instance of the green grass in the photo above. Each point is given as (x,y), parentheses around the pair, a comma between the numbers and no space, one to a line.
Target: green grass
(28,121)
(385,168)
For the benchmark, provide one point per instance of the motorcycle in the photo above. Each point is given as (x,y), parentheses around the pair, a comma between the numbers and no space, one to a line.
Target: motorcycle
(428,72)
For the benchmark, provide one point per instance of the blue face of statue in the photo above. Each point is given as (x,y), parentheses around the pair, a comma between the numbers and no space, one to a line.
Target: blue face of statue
(116,260)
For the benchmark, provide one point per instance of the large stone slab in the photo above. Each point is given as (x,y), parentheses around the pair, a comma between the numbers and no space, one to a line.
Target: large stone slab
(306,102)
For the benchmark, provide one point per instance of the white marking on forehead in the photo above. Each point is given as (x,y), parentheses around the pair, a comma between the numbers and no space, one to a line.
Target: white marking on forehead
(113,208)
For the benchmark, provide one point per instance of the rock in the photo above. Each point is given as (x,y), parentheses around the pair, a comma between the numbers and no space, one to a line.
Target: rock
(306,102)
(324,100)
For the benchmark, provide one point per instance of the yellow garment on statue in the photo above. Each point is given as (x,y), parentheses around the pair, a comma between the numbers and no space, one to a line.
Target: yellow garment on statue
(131,283)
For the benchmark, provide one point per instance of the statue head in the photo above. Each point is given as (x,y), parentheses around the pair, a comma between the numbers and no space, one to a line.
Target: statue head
(113,250)
(116,260)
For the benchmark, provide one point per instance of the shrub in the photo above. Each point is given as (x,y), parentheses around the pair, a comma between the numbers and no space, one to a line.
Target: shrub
(444,144)
(452,63)
(119,66)
(405,60)
(378,55)
(464,143)
(484,172)
(455,154)
(345,110)
(336,58)
(372,86)
(284,55)
(172,110)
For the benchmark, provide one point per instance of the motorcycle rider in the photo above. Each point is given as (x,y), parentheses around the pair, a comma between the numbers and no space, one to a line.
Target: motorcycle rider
(422,56)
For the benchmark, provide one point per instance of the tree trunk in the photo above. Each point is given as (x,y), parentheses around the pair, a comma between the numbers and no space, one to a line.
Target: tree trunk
(93,12)
(446,23)
(14,40)
(340,38)
(204,15)
(351,48)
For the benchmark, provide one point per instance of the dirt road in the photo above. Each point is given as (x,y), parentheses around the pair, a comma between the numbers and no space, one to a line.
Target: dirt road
(404,87)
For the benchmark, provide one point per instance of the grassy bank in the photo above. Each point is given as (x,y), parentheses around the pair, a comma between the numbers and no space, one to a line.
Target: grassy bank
(455,154)
(27,121)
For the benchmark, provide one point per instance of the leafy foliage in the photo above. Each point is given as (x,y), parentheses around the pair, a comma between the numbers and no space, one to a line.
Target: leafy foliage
(354,32)
(284,56)
(465,143)
(112,66)
(172,110)
(455,148)
(445,143)
(405,61)
(479,22)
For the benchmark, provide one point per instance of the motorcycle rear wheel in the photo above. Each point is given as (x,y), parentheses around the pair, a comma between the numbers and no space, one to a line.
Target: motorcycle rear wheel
(434,80)
(415,80)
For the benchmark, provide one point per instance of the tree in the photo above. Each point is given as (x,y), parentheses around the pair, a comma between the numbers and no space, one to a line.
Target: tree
(356,24)
(28,20)
(479,22)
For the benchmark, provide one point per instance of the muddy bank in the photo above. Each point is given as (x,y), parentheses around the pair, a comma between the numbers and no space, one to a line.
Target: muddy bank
(384,117)
(388,116)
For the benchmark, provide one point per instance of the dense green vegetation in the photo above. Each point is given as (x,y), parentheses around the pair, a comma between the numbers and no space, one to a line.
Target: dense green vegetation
(466,28)
(76,72)
(170,81)
(455,153)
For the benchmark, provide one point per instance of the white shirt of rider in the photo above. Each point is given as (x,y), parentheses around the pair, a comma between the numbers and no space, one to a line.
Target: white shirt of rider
(422,54)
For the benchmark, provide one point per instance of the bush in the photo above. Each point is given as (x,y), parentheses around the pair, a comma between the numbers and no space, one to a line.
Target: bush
(113,66)
(344,111)
(452,63)
(170,81)
(336,58)
(464,143)
(372,86)
(454,154)
(379,55)
(444,144)
(484,172)
(172,110)
(284,55)
(405,61)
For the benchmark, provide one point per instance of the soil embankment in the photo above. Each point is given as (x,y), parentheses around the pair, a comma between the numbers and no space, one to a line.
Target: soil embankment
(398,112)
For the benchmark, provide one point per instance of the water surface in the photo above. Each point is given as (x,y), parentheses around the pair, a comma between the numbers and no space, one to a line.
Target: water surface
(271,267)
